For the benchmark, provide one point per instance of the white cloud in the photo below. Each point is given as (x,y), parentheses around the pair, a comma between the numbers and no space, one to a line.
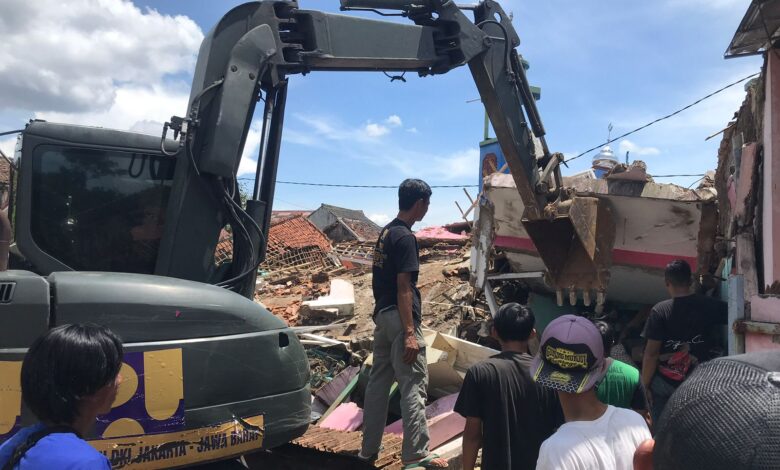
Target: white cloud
(634,149)
(379,219)
(7,145)
(376,130)
(75,56)
(330,135)
(134,107)
(148,126)
(394,121)
(248,163)
(458,165)
(413,130)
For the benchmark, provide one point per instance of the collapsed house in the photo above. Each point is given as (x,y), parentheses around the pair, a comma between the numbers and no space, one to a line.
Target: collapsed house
(295,244)
(344,225)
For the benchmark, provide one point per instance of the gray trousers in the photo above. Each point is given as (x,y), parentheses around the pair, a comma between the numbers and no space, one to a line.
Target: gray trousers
(412,381)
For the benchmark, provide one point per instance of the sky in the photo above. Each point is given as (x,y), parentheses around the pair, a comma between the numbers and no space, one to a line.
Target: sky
(128,65)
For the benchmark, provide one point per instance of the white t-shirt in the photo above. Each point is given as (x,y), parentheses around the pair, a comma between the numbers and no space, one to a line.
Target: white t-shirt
(607,443)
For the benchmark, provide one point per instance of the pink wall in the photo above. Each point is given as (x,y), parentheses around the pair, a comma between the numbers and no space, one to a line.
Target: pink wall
(768,309)
(771,172)
(763,309)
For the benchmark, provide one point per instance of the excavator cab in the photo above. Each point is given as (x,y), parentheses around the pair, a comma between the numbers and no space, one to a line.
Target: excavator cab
(203,365)
(85,203)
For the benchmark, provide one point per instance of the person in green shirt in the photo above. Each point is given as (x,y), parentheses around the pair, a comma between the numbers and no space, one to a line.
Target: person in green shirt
(621,386)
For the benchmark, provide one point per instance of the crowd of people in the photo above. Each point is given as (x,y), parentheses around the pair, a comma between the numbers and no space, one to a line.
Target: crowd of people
(569,407)
(686,409)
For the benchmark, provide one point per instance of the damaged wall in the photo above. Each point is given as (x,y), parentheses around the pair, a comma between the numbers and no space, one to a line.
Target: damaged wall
(749,213)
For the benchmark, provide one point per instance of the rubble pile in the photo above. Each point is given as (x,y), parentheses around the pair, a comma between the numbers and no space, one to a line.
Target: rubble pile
(331,309)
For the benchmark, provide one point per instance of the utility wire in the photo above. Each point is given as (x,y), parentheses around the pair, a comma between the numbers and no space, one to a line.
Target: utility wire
(378,186)
(371,186)
(665,117)
(673,176)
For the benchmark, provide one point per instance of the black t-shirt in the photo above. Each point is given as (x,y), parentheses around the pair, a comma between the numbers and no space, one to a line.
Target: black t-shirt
(517,414)
(687,320)
(395,252)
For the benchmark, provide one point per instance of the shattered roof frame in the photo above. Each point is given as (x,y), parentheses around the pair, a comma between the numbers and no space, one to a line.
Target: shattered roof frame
(757,30)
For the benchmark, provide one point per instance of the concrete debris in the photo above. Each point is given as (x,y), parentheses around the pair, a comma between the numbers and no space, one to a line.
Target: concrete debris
(340,302)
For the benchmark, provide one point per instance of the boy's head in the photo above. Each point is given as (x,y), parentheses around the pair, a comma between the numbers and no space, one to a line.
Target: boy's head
(571,355)
(68,367)
(514,322)
(414,196)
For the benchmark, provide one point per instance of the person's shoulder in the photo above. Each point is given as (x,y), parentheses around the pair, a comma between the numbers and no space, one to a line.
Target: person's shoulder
(626,417)
(485,366)
(70,452)
(398,231)
(663,307)
(624,369)
(708,300)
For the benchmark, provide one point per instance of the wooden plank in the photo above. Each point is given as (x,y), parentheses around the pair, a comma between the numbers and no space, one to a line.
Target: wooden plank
(347,417)
(461,210)
(342,396)
(757,327)
(468,196)
(746,263)
(736,341)
(508,276)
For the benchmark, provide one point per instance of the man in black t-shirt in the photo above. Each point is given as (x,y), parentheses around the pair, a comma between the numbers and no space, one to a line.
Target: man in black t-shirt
(399,347)
(507,414)
(680,334)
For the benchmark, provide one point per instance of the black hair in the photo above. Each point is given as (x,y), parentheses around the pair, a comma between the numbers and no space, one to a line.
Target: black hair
(607,335)
(514,322)
(410,191)
(68,363)
(678,273)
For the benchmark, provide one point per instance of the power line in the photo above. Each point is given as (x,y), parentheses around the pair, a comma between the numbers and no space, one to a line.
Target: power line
(369,186)
(674,176)
(665,117)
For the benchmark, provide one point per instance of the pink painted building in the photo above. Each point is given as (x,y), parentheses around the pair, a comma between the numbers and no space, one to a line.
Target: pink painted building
(749,172)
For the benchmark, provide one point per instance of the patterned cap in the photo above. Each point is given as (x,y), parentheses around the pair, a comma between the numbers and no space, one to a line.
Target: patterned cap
(571,355)
(726,415)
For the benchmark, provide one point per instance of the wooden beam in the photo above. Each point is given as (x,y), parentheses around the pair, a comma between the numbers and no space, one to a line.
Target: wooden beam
(757,327)
(340,398)
(736,341)
(508,276)
(461,210)
(468,196)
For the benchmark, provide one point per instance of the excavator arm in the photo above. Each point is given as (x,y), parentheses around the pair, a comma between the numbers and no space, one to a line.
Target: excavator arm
(183,189)
(252,52)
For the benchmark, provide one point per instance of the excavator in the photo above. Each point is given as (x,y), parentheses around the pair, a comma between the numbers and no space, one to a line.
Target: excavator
(119,229)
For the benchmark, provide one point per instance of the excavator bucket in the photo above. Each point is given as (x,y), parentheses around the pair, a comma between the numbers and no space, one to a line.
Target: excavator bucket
(575,242)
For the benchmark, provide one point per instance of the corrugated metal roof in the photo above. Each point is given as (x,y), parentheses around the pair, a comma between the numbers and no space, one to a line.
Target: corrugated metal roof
(757,30)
